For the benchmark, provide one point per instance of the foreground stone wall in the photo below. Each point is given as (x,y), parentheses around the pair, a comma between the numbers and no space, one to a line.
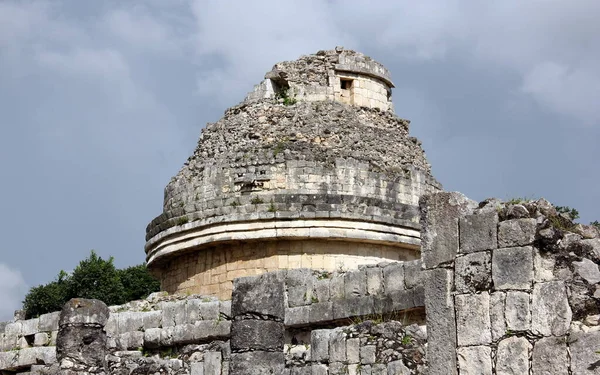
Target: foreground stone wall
(509,288)
(263,323)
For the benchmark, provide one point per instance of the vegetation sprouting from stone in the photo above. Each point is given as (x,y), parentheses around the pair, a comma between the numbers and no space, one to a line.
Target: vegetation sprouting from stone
(94,277)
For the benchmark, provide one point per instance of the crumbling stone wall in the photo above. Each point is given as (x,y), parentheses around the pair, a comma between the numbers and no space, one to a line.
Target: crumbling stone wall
(341,75)
(510,288)
(269,319)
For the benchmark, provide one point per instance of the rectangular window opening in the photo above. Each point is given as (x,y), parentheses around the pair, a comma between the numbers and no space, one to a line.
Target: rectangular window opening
(346,84)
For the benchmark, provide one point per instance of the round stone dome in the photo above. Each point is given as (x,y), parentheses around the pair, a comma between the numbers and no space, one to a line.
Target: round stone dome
(313,169)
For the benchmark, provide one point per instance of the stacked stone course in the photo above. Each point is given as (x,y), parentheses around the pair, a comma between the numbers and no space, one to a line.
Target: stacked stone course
(515,299)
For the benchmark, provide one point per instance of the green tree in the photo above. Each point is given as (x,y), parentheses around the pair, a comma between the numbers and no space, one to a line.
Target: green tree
(46,298)
(94,277)
(137,282)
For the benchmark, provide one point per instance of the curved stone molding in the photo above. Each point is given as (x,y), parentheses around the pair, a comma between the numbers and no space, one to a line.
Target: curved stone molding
(193,236)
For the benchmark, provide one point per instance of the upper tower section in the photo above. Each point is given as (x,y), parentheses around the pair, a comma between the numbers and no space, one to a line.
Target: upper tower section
(313,169)
(342,75)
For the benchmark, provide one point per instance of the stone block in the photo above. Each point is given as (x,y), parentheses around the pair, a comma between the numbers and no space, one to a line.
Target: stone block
(393,277)
(478,232)
(413,275)
(8,360)
(512,357)
(516,232)
(355,284)
(353,350)
(352,307)
(378,369)
(441,323)
(473,272)
(550,310)
(197,309)
(338,368)
(225,309)
(36,356)
(374,281)
(587,269)
(152,319)
(13,329)
(319,369)
(212,363)
(543,266)
(497,320)
(185,334)
(439,226)
(130,321)
(41,339)
(475,360)
(261,295)
(130,340)
(337,346)
(30,327)
(550,356)
(473,319)
(397,368)
(367,354)
(297,316)
(256,363)
(512,268)
(152,337)
(299,296)
(517,313)
(212,329)
(320,312)
(336,287)
(197,368)
(319,345)
(322,290)
(84,311)
(252,334)
(583,347)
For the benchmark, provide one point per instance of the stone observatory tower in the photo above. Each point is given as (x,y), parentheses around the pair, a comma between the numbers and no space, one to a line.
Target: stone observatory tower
(313,169)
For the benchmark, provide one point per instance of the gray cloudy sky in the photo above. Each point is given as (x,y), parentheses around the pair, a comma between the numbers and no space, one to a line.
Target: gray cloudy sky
(101,102)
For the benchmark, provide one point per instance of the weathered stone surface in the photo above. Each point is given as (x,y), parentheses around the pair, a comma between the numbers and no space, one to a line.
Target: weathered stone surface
(543,266)
(473,272)
(550,356)
(84,311)
(550,310)
(252,334)
(374,280)
(517,314)
(367,354)
(353,307)
(212,363)
(473,319)
(516,232)
(413,275)
(475,360)
(397,368)
(49,322)
(297,316)
(439,226)
(353,350)
(512,357)
(478,232)
(512,268)
(319,369)
(262,295)
(393,276)
(584,357)
(81,337)
(441,324)
(588,270)
(355,284)
(256,363)
(337,346)
(41,339)
(30,326)
(319,345)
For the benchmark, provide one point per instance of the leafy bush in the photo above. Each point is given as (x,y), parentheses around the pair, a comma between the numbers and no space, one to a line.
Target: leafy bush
(573,213)
(94,277)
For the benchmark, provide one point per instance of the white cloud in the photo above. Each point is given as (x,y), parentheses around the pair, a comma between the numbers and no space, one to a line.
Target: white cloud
(12,291)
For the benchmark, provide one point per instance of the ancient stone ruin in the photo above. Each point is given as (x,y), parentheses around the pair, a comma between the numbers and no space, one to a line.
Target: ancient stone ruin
(306,236)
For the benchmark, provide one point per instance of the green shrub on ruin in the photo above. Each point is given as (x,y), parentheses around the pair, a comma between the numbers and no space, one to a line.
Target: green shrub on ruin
(94,277)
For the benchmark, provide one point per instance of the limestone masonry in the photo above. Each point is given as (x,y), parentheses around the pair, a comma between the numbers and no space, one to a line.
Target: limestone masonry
(313,169)
(306,236)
